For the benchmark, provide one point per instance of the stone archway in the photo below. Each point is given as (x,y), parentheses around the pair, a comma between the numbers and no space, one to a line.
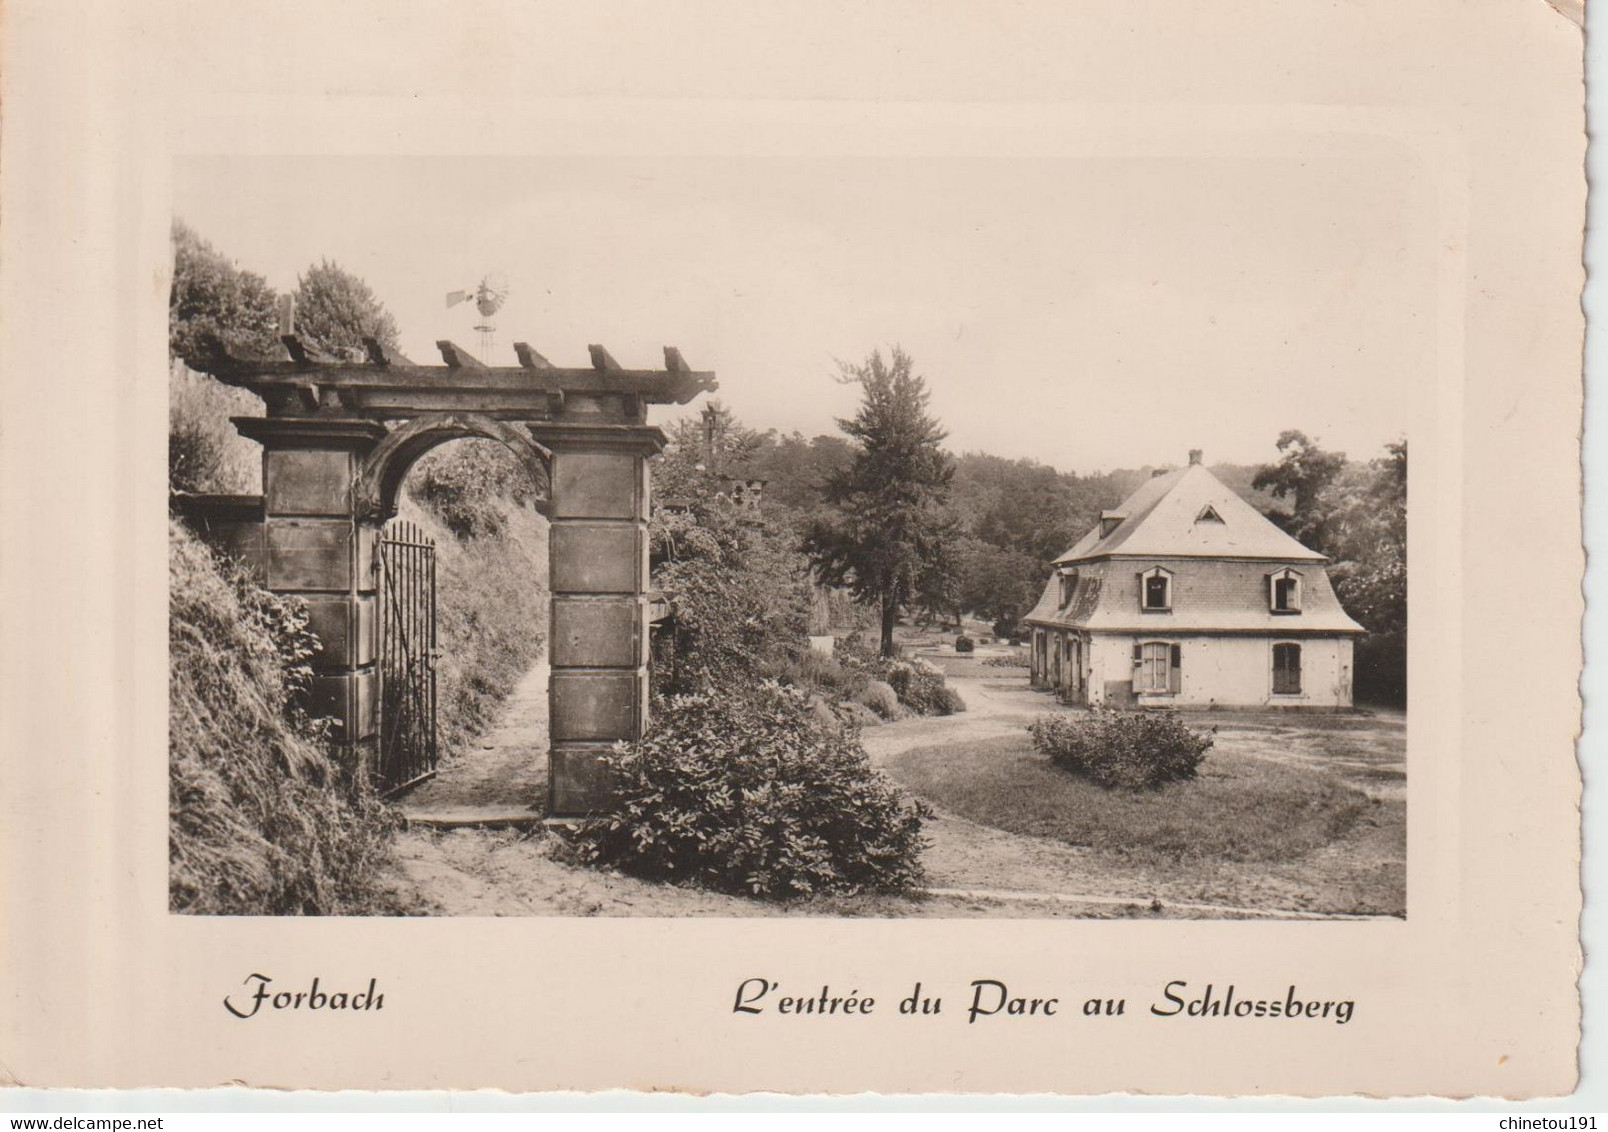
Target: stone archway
(379,479)
(338,438)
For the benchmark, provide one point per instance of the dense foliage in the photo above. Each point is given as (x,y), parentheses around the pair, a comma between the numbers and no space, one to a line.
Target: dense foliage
(335,311)
(917,684)
(740,591)
(1122,750)
(473,485)
(750,794)
(262,819)
(213,299)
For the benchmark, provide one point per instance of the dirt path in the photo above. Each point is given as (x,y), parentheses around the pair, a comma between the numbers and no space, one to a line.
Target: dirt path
(965,856)
(973,870)
(505,770)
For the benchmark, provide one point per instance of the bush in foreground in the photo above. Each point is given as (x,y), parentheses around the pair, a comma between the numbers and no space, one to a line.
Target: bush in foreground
(1126,750)
(261,821)
(751,795)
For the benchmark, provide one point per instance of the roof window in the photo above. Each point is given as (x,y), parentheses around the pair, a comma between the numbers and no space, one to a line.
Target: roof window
(1155,590)
(1284,591)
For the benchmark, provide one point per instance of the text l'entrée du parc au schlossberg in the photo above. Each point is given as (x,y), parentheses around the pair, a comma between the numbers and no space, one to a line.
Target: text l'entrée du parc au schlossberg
(991,1000)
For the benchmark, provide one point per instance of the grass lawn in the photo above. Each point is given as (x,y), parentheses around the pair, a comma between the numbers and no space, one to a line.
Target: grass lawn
(1240,808)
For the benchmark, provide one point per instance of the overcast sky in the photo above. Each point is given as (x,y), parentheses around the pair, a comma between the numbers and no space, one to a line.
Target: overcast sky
(1090,314)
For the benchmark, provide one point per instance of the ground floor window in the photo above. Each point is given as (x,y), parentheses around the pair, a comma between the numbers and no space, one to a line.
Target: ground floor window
(1158,667)
(1287,670)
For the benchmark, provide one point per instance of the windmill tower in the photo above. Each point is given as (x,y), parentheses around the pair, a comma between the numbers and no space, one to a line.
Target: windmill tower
(489,296)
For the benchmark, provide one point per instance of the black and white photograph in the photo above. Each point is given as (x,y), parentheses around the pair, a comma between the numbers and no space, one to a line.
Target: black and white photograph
(692,555)
(794,537)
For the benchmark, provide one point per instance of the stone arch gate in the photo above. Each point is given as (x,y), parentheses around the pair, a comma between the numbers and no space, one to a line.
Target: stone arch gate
(338,439)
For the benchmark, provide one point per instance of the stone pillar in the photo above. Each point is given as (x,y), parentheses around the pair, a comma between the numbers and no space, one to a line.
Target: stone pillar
(598,562)
(315,547)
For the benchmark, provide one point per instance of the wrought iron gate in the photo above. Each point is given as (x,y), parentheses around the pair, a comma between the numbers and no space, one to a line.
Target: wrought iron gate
(407,656)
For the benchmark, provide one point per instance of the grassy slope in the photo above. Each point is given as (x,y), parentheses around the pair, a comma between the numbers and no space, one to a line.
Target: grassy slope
(261,820)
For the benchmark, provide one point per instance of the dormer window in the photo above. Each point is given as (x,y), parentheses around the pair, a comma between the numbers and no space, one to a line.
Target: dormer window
(1155,590)
(1208,514)
(1069,585)
(1284,591)
(1110,521)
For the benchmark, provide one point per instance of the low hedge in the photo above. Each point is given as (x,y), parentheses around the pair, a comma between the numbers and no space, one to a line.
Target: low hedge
(1124,750)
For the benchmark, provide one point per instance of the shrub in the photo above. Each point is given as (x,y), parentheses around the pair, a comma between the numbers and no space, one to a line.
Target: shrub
(261,819)
(748,794)
(953,703)
(920,687)
(741,598)
(1005,629)
(1127,750)
(1016,658)
(205,452)
(861,716)
(882,699)
(813,671)
(964,643)
(473,485)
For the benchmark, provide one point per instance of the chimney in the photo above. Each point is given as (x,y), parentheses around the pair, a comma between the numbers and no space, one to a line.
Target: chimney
(1194,456)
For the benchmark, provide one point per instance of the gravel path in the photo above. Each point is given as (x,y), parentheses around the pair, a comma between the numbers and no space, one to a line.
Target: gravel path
(973,870)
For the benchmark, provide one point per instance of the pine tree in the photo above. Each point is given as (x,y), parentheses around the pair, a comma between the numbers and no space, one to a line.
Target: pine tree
(888,530)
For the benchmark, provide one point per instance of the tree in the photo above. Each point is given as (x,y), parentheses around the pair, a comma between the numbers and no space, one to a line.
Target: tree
(213,299)
(999,584)
(1302,475)
(888,530)
(335,311)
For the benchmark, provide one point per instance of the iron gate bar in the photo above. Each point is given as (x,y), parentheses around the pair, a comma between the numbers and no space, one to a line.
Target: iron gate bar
(408,743)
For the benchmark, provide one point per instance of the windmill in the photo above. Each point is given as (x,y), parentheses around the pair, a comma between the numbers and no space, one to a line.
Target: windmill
(489,296)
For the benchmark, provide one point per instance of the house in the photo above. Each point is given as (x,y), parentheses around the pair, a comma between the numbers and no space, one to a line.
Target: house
(1186,595)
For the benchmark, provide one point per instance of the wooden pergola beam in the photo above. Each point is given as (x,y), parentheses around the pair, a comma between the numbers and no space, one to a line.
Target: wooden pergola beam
(457,357)
(394,375)
(529,358)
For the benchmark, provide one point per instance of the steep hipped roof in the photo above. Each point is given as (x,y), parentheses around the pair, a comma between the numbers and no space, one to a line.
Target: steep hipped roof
(1189,513)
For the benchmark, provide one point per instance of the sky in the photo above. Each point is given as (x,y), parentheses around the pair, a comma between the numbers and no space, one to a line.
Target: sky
(1089,313)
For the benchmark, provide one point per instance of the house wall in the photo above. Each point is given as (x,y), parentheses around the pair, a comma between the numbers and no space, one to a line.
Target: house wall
(1219,671)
